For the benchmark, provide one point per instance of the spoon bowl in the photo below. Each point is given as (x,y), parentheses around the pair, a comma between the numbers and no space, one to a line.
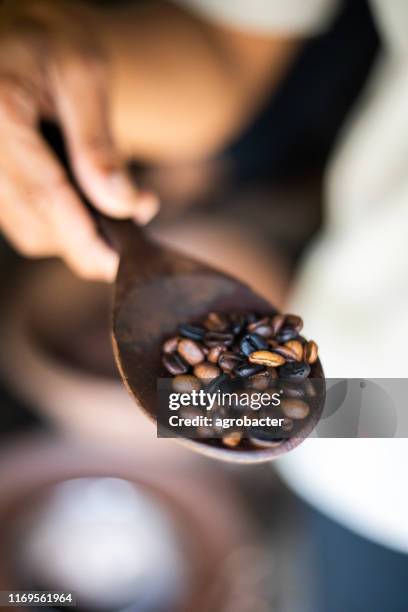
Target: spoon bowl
(158,289)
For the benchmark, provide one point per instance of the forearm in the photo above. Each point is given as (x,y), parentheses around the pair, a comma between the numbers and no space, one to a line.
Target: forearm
(182,88)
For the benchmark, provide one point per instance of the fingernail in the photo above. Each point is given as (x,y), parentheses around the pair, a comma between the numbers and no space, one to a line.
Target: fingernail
(122,185)
(148,207)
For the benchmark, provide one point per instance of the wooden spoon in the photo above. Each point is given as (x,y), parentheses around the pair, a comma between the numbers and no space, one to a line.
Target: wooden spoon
(156,290)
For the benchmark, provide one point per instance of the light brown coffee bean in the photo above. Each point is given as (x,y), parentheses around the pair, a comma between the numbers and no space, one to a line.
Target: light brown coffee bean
(186,383)
(295,408)
(277,322)
(170,346)
(267,358)
(216,321)
(190,351)
(206,371)
(214,353)
(311,352)
(233,439)
(296,347)
(285,352)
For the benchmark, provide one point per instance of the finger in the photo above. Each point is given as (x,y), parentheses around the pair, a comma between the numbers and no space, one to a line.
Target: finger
(50,218)
(79,88)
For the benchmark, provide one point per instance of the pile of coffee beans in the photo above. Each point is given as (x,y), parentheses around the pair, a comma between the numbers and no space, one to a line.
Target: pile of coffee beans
(259,353)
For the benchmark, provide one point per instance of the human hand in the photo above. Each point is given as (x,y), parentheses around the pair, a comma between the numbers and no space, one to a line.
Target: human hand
(53,66)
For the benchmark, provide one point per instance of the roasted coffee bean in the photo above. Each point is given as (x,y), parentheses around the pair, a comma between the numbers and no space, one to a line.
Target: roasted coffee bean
(174,364)
(170,346)
(297,347)
(247,369)
(311,351)
(309,387)
(216,321)
(277,322)
(294,371)
(259,382)
(267,358)
(285,352)
(190,351)
(251,343)
(287,425)
(233,439)
(222,383)
(251,317)
(206,371)
(261,327)
(214,353)
(246,354)
(237,323)
(293,391)
(186,383)
(228,361)
(218,339)
(294,321)
(194,332)
(286,333)
(295,408)
(263,438)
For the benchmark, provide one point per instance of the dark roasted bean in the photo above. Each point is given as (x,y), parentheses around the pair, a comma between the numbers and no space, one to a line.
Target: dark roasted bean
(186,383)
(174,364)
(216,321)
(293,391)
(251,317)
(251,327)
(294,321)
(194,332)
(218,338)
(170,346)
(190,351)
(295,408)
(286,333)
(294,371)
(287,425)
(259,382)
(248,369)
(251,343)
(228,361)
(263,438)
(222,383)
(237,323)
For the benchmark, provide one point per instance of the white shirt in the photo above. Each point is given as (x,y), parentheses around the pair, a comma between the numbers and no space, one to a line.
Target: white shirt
(352,289)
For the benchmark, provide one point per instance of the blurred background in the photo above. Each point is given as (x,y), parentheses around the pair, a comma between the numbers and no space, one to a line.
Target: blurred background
(91,501)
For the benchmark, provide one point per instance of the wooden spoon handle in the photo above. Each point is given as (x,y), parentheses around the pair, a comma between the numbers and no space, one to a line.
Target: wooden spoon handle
(121,234)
